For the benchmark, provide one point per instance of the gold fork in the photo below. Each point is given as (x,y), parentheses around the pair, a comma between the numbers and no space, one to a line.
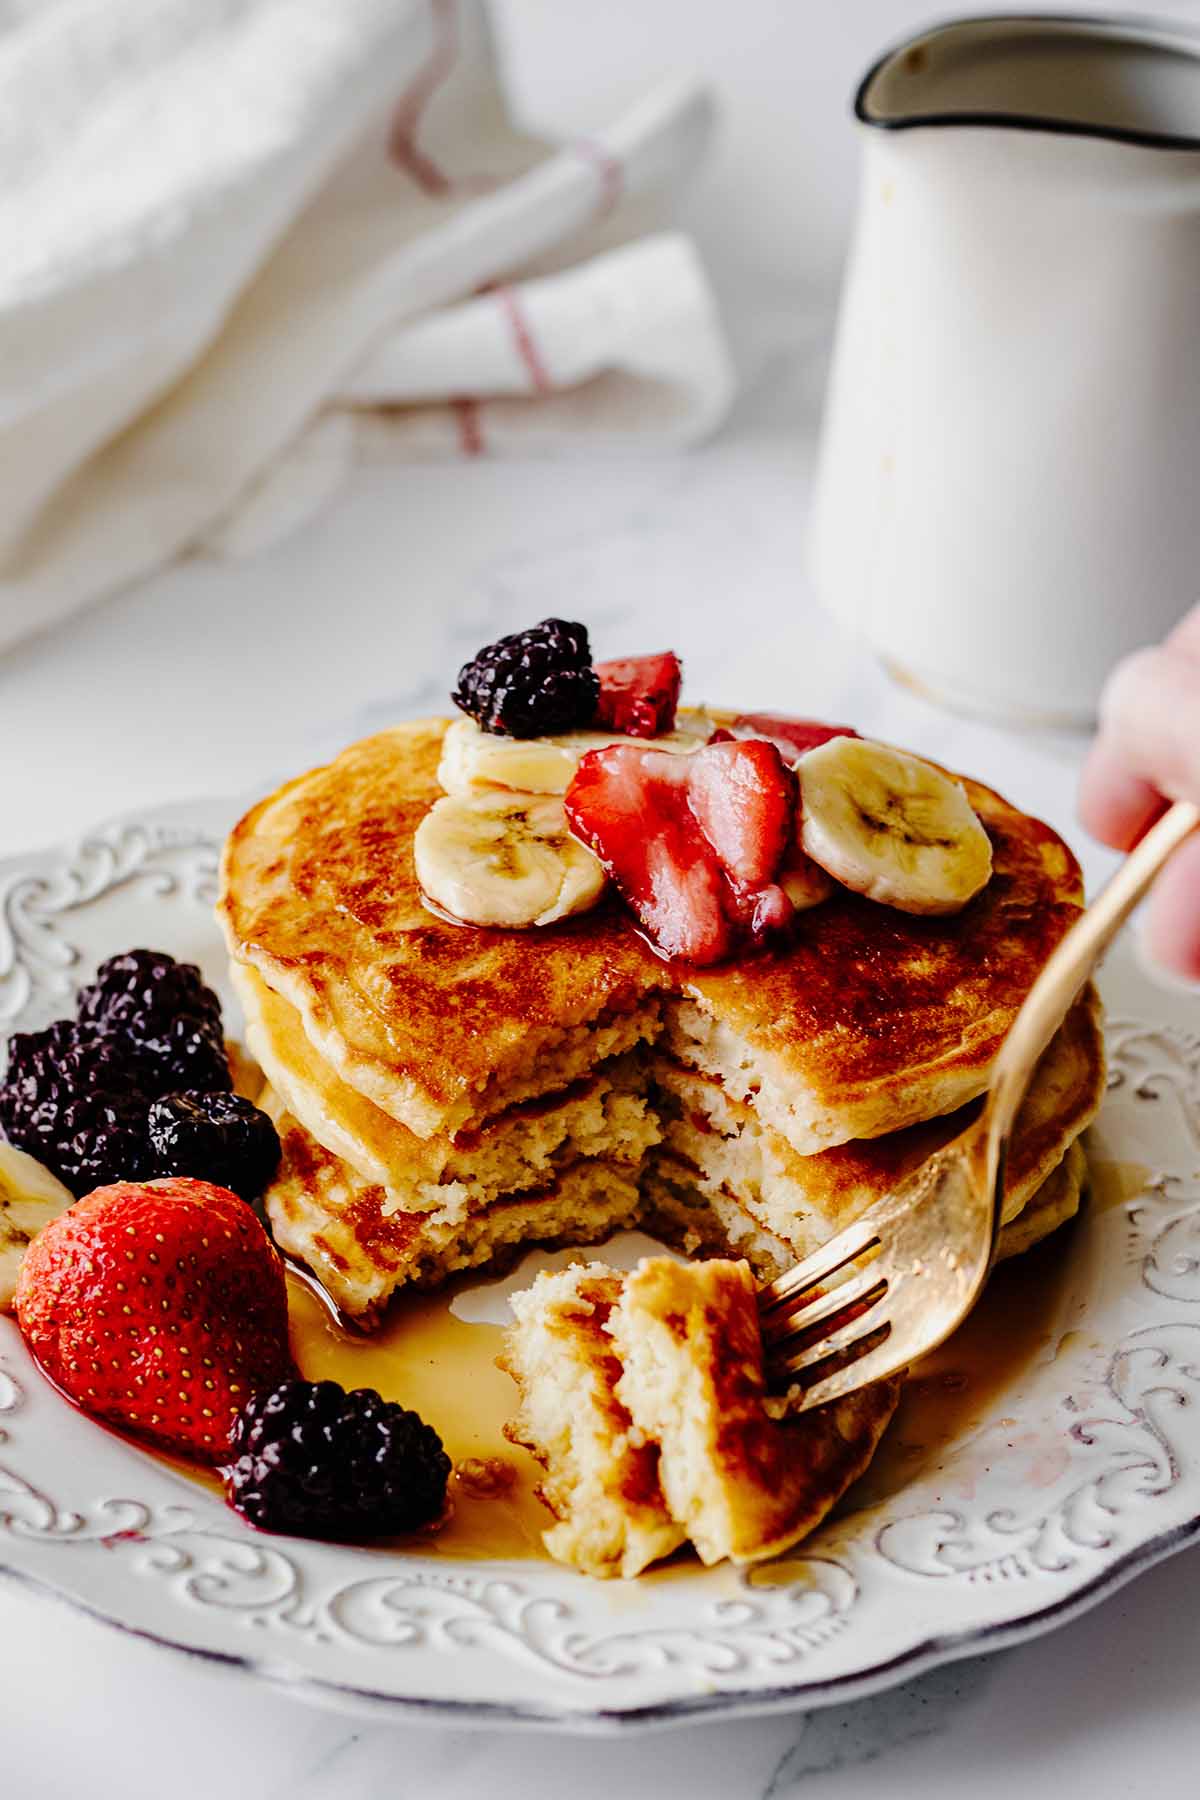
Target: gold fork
(893,1285)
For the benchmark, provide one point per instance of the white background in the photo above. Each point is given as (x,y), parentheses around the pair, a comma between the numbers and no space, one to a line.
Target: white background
(212,677)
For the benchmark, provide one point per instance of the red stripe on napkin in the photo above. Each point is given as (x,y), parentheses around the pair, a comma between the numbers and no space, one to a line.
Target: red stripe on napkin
(408,115)
(403,148)
(470,428)
(510,304)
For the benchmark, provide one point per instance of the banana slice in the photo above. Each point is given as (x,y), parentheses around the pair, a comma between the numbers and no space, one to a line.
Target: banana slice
(473,759)
(495,858)
(804,881)
(891,826)
(30,1196)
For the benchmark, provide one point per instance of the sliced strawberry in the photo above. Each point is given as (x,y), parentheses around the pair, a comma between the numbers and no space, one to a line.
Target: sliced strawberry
(791,737)
(692,842)
(639,694)
(629,806)
(744,797)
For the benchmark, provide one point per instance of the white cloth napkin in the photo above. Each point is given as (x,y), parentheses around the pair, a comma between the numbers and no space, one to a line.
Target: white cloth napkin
(247,241)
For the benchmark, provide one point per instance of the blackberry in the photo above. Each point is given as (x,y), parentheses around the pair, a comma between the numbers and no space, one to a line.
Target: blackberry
(215,1137)
(71,1097)
(168,1018)
(77,1095)
(533,683)
(311,1459)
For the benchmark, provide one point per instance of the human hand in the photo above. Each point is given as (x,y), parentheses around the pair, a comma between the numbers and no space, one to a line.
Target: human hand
(1146,754)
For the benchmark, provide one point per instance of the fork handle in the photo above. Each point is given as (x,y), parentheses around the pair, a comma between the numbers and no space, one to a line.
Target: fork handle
(1069,967)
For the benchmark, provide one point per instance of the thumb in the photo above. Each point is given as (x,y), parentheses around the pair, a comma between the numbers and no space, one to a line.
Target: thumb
(1150,719)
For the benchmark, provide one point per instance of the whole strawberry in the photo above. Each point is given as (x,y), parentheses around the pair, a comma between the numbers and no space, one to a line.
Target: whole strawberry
(159,1306)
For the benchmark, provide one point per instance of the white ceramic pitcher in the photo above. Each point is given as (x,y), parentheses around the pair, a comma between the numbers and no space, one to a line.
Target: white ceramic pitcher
(1009,488)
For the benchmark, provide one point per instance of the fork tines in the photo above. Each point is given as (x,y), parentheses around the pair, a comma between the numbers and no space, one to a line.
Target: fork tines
(811,1316)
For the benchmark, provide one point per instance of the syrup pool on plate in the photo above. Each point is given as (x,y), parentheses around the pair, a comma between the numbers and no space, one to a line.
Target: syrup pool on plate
(445,1369)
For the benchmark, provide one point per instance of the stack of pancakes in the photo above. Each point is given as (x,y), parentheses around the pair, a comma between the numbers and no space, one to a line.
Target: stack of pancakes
(446,1094)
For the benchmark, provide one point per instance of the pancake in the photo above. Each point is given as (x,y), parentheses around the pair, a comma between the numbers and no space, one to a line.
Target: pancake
(604,1113)
(675,1210)
(440,1025)
(668,1432)
(868,1021)
(724,1148)
(1056,1202)
(601,1482)
(362,1246)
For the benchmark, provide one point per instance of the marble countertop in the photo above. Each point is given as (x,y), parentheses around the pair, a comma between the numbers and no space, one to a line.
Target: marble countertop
(215,676)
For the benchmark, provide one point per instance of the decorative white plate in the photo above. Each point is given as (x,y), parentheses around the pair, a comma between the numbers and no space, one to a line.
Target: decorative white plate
(1085,1469)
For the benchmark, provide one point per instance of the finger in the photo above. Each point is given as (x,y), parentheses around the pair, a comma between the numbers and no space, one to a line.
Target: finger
(1115,805)
(1186,635)
(1150,716)
(1173,922)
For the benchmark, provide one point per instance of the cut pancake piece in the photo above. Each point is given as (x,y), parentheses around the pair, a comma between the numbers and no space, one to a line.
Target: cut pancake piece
(744,1479)
(726,1152)
(362,1246)
(602,1114)
(601,1481)
(686,1384)
(867,1021)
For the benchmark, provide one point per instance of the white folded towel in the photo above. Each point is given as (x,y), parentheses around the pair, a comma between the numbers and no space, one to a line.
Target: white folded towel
(247,241)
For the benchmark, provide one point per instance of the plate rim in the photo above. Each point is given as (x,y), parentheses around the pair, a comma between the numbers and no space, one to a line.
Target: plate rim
(933,1652)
